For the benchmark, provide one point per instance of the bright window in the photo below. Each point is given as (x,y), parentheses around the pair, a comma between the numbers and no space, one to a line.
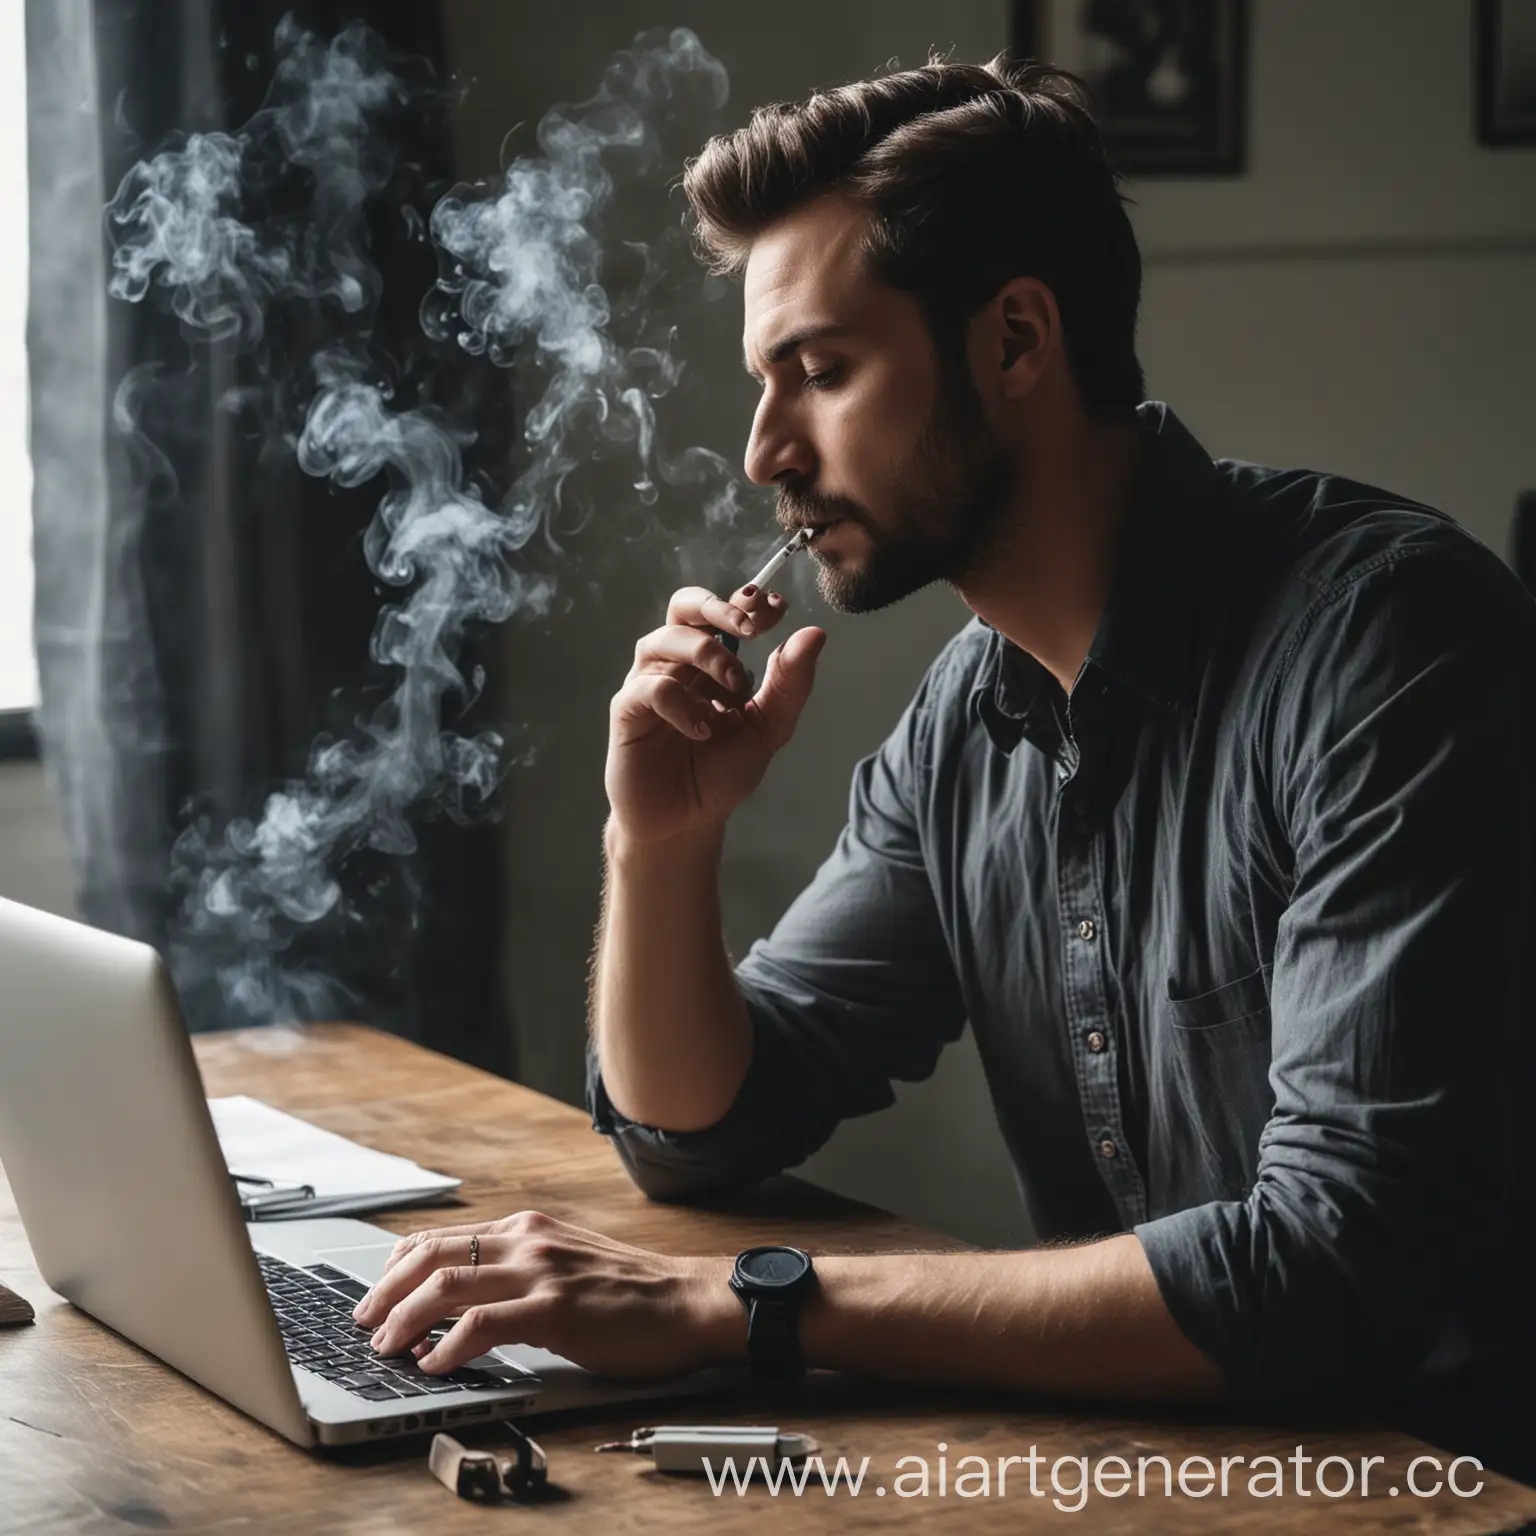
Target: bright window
(18,666)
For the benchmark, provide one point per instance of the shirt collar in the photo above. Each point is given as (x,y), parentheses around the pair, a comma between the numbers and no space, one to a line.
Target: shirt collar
(1146,638)
(1170,545)
(1012,696)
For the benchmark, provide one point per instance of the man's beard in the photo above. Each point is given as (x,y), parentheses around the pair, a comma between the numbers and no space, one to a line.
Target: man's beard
(952,492)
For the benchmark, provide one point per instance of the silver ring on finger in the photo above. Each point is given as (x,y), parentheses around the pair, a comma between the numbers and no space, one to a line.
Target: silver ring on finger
(474,1252)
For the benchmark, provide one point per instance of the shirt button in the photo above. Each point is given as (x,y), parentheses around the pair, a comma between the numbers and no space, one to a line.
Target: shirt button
(1086,929)
(1108,1148)
(1097,1041)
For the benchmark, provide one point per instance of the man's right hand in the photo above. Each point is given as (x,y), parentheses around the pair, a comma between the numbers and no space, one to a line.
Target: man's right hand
(687,743)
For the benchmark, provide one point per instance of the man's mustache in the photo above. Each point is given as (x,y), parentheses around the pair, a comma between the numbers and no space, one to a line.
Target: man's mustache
(798,507)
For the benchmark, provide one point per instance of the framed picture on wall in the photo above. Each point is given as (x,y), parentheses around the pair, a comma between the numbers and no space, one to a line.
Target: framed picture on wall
(1506,71)
(1169,77)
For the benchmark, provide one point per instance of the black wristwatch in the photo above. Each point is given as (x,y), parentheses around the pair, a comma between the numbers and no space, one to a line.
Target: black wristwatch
(772,1282)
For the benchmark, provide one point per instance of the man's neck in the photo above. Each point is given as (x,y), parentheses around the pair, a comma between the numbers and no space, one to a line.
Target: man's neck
(1045,579)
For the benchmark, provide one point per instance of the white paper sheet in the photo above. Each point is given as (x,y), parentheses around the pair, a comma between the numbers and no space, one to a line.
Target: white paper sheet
(263,1142)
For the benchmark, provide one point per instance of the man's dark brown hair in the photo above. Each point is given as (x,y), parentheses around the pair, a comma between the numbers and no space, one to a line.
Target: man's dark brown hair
(973,174)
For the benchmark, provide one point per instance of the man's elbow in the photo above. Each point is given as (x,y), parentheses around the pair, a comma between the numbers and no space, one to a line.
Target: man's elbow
(681,1180)
(1287,1304)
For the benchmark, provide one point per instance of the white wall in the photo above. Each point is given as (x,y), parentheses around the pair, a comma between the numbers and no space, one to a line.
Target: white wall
(34,863)
(1365,299)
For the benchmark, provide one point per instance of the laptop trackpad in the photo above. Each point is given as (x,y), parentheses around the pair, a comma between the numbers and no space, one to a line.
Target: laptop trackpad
(366,1262)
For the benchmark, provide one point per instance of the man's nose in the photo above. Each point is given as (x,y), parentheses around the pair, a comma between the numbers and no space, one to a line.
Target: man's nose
(776,451)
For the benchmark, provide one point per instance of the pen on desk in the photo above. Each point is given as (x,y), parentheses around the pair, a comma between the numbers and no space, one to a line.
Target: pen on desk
(801,540)
(697,1447)
(278,1193)
(266,1192)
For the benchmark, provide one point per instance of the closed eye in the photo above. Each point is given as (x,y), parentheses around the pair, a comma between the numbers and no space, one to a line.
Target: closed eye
(823,380)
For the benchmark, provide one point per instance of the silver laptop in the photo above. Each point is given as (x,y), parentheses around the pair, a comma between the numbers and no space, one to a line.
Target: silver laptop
(111,1154)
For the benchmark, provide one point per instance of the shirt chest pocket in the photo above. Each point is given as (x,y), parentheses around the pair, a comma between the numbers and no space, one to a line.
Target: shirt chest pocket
(1218,1054)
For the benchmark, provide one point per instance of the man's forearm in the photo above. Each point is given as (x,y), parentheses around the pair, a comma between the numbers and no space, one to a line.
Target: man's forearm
(673,1035)
(1086,1321)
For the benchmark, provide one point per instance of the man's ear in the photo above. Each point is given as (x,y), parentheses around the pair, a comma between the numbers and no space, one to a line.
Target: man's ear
(1025,331)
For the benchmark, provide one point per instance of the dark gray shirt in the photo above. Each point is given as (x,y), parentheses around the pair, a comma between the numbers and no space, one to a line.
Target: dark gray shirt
(1243,928)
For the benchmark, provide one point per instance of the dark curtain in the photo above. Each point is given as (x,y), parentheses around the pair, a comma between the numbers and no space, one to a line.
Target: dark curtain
(204,609)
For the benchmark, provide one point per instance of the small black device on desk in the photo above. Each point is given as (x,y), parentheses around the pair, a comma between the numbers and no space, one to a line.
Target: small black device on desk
(14,1309)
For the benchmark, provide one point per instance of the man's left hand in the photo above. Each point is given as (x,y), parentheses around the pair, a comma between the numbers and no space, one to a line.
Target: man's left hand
(615,1310)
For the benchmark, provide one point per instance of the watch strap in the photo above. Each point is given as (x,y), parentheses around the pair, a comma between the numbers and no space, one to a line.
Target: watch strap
(773,1338)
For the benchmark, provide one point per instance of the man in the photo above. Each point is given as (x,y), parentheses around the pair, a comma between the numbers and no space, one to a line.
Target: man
(1215,824)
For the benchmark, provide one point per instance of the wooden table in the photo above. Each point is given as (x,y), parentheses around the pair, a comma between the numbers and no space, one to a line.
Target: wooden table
(96,1436)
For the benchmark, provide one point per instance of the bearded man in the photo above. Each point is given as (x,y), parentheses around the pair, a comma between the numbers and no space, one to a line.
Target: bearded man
(1214,823)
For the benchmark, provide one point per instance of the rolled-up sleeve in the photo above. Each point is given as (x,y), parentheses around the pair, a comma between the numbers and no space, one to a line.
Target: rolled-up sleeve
(1401,777)
(854,988)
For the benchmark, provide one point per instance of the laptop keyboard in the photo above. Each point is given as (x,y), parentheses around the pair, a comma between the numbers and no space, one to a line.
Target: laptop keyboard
(314,1312)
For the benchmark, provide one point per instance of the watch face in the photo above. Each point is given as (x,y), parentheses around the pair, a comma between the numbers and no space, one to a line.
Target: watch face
(772,1266)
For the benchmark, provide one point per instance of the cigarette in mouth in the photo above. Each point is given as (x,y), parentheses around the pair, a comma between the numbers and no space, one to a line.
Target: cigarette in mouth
(779,556)
(800,541)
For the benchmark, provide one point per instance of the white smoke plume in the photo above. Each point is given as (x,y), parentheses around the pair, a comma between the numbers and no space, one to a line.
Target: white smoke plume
(437,538)
(176,220)
(523,269)
(522,280)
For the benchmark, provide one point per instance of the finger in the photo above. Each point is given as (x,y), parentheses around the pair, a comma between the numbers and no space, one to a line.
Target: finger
(483,1327)
(726,716)
(665,698)
(765,608)
(679,646)
(787,684)
(700,608)
(414,1239)
(442,1294)
(433,1250)
(700,685)
(704,688)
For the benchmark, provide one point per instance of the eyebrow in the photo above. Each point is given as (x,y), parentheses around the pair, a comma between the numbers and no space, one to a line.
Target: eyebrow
(787,346)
